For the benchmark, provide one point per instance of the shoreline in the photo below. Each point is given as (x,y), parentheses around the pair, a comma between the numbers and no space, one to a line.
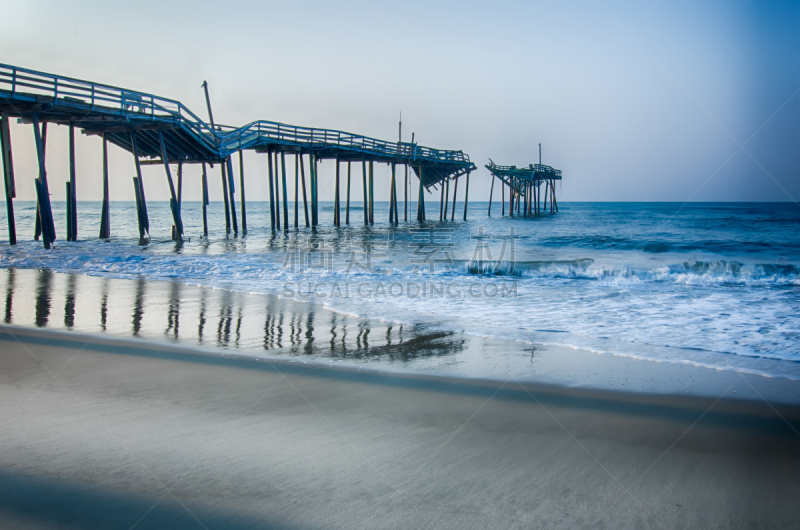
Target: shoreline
(226,322)
(123,431)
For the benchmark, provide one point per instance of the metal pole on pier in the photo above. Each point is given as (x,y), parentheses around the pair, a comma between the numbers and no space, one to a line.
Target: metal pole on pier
(8,176)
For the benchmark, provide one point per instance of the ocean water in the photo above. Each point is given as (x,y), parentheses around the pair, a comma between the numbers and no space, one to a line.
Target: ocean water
(712,284)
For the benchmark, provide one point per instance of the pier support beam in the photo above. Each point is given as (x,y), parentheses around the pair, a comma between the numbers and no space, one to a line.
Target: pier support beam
(491,191)
(225,198)
(205,201)
(174,205)
(277,194)
(312,162)
(232,190)
(72,196)
(285,199)
(8,176)
(441,202)
(45,217)
(271,192)
(336,196)
(303,180)
(141,203)
(296,191)
(455,192)
(371,193)
(393,213)
(105,213)
(347,198)
(405,196)
(364,189)
(466,195)
(241,185)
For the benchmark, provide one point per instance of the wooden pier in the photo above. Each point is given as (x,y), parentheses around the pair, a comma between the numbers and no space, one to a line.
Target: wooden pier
(163,131)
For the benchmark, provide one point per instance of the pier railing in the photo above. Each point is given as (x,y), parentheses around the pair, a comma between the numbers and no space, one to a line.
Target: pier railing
(70,92)
(268,132)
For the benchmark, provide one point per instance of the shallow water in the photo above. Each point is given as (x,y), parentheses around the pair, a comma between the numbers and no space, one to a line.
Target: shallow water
(709,284)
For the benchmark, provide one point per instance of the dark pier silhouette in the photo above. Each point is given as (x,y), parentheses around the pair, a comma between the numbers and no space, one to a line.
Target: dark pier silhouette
(163,131)
(525,194)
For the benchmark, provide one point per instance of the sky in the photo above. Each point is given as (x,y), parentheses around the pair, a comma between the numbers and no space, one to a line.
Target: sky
(670,100)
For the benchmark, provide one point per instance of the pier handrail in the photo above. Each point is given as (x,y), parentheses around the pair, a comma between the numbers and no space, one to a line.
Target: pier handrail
(72,92)
(265,132)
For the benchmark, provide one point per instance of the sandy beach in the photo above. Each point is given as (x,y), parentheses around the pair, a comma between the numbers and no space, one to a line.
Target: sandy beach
(100,432)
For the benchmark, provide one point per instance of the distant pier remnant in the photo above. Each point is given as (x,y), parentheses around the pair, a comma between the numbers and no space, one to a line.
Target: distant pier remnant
(525,195)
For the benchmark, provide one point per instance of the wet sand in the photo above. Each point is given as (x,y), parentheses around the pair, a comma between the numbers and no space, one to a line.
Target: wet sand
(102,432)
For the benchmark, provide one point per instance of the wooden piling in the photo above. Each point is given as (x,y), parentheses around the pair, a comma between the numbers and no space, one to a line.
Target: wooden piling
(466,196)
(405,196)
(271,192)
(296,191)
(8,176)
(546,191)
(277,193)
(72,196)
(420,215)
(285,199)
(205,201)
(303,180)
(371,193)
(241,186)
(47,227)
(105,213)
(312,162)
(364,189)
(491,191)
(393,213)
(446,196)
(502,198)
(173,203)
(336,196)
(144,218)
(510,201)
(455,192)
(225,198)
(441,202)
(347,198)
(232,190)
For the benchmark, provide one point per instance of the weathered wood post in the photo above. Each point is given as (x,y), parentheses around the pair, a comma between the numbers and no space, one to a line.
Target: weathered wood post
(491,191)
(312,162)
(347,199)
(177,234)
(205,201)
(510,200)
(446,197)
(455,196)
(336,196)
(394,215)
(371,193)
(303,180)
(546,191)
(180,183)
(405,195)
(421,198)
(466,195)
(231,190)
(47,227)
(364,189)
(277,193)
(8,176)
(141,202)
(241,185)
(225,198)
(441,202)
(285,199)
(105,214)
(502,198)
(271,191)
(296,191)
(72,196)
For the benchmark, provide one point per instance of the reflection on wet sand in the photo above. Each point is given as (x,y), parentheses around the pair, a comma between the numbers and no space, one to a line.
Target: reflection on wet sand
(227,320)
